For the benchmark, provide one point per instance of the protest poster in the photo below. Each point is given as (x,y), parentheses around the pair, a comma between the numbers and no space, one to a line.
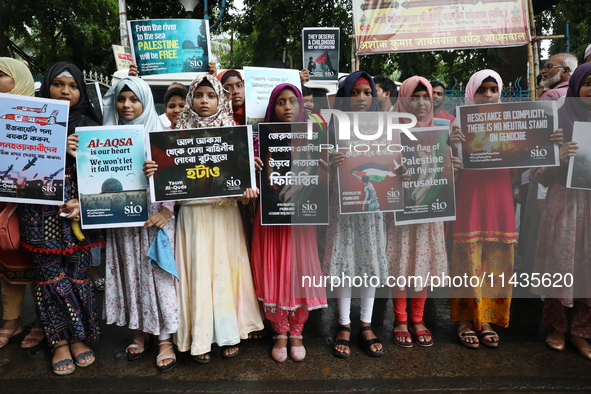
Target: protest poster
(431,25)
(32,149)
(201,163)
(579,166)
(320,47)
(95,98)
(508,135)
(429,195)
(161,46)
(112,186)
(294,179)
(369,178)
(123,57)
(259,82)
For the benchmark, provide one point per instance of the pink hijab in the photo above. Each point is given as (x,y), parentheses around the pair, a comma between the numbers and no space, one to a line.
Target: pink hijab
(475,82)
(406,91)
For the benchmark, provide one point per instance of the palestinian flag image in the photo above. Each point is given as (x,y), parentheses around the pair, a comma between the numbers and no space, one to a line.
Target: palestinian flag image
(323,61)
(375,171)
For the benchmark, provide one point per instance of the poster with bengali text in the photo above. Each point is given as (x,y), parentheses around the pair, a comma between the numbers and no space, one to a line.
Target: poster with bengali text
(429,195)
(112,186)
(369,178)
(32,149)
(579,166)
(383,26)
(508,135)
(320,46)
(162,46)
(201,163)
(294,179)
(123,57)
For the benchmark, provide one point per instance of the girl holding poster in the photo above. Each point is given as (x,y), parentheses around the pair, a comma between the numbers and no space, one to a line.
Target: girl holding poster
(138,292)
(355,244)
(483,234)
(565,231)
(216,297)
(64,298)
(274,248)
(415,250)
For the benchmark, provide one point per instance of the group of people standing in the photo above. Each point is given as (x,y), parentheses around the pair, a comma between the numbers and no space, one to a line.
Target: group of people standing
(227,281)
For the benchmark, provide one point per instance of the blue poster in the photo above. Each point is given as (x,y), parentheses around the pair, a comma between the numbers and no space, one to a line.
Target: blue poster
(33,135)
(111,183)
(161,46)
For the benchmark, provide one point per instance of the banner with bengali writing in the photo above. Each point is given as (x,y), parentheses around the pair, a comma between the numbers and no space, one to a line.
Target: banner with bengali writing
(201,163)
(383,26)
(123,57)
(294,179)
(32,149)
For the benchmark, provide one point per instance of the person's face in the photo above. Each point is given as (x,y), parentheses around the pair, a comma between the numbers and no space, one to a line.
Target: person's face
(585,91)
(6,82)
(129,105)
(552,70)
(205,101)
(420,104)
(309,103)
(438,94)
(287,107)
(381,94)
(488,92)
(174,107)
(361,97)
(588,59)
(65,88)
(236,89)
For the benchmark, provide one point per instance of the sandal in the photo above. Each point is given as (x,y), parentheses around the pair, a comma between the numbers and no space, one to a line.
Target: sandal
(404,334)
(230,355)
(8,334)
(33,338)
(202,360)
(423,333)
(81,356)
(139,346)
(61,363)
(165,354)
(279,354)
(485,336)
(342,342)
(99,284)
(464,335)
(297,353)
(367,343)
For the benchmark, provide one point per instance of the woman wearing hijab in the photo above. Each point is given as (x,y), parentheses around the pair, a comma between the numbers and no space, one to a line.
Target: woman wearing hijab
(64,298)
(275,248)
(564,242)
(139,293)
(355,244)
(16,269)
(415,250)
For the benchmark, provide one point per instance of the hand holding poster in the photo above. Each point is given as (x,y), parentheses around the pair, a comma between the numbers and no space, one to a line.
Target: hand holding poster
(579,166)
(161,46)
(429,196)
(201,163)
(508,135)
(321,52)
(370,176)
(111,183)
(32,149)
(294,179)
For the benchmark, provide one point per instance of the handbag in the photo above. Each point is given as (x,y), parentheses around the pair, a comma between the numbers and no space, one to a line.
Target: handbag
(10,235)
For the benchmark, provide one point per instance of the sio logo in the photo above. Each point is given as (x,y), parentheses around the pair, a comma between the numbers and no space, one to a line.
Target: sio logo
(538,153)
(393,195)
(438,206)
(132,210)
(309,208)
(233,184)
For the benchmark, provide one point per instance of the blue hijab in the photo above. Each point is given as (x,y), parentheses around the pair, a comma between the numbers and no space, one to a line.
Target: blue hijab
(347,86)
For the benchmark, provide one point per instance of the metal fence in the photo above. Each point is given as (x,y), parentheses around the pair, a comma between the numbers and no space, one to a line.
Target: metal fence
(455,96)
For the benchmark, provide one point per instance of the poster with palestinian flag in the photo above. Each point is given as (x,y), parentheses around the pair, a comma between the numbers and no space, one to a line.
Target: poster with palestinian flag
(320,46)
(370,178)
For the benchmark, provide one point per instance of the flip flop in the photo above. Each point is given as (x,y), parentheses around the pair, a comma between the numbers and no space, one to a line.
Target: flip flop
(230,355)
(469,333)
(32,338)
(484,334)
(8,334)
(202,360)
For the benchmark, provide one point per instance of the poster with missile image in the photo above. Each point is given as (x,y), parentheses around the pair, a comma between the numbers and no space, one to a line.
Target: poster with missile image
(32,149)
(111,183)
